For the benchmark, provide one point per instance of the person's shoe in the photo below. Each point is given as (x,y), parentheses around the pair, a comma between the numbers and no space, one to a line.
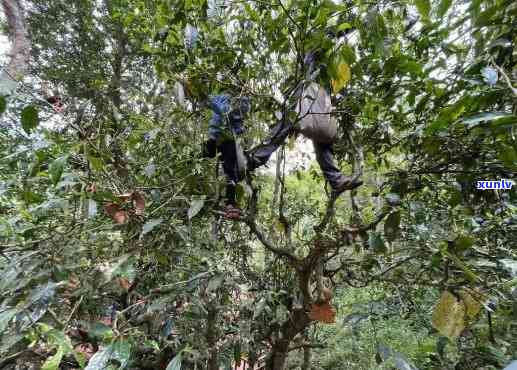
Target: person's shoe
(231,212)
(348,183)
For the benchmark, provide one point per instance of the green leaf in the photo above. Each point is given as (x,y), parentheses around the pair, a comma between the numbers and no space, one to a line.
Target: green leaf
(57,338)
(150,225)
(413,68)
(95,162)
(195,206)
(30,119)
(5,317)
(53,362)
(466,269)
(348,54)
(424,7)
(3,104)
(119,351)
(508,155)
(56,169)
(443,7)
(63,344)
(99,360)
(175,363)
(344,26)
(100,332)
(463,242)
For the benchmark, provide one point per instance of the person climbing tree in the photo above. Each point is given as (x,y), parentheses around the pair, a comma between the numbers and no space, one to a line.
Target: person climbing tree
(315,122)
(225,126)
(313,106)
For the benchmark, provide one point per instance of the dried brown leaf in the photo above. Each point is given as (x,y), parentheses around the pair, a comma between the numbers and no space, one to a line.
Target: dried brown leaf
(323,313)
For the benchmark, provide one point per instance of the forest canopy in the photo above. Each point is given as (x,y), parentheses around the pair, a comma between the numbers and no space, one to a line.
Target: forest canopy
(116,249)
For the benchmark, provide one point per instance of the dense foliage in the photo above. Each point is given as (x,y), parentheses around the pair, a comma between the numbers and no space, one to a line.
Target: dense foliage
(114,252)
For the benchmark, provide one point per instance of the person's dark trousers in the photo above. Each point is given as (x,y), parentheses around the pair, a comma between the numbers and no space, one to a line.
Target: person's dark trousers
(325,159)
(230,168)
(260,155)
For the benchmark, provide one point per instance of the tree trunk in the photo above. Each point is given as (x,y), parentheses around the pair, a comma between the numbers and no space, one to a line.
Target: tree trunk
(297,323)
(20,51)
(307,357)
(211,337)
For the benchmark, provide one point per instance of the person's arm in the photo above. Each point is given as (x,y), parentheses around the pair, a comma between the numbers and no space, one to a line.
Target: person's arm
(219,105)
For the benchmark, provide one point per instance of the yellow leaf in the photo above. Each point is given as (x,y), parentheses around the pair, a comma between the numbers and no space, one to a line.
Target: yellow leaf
(449,315)
(471,302)
(343,77)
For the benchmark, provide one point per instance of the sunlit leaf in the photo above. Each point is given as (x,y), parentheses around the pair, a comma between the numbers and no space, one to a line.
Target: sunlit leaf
(471,302)
(119,351)
(486,116)
(443,7)
(175,363)
(344,26)
(150,225)
(195,206)
(393,199)
(96,162)
(343,75)
(424,7)
(92,208)
(489,75)
(52,363)
(449,315)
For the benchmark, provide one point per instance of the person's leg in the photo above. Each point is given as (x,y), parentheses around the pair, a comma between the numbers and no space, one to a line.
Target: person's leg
(326,161)
(229,156)
(209,148)
(333,175)
(260,155)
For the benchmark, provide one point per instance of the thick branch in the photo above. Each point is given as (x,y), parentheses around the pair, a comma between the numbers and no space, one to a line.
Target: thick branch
(291,257)
(307,345)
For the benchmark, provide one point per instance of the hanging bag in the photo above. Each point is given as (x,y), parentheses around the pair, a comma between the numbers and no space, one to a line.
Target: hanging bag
(314,107)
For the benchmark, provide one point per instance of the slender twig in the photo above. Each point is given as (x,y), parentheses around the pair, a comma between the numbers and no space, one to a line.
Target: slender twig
(506,78)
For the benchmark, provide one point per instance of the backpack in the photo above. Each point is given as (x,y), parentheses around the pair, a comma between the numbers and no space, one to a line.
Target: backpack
(320,127)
